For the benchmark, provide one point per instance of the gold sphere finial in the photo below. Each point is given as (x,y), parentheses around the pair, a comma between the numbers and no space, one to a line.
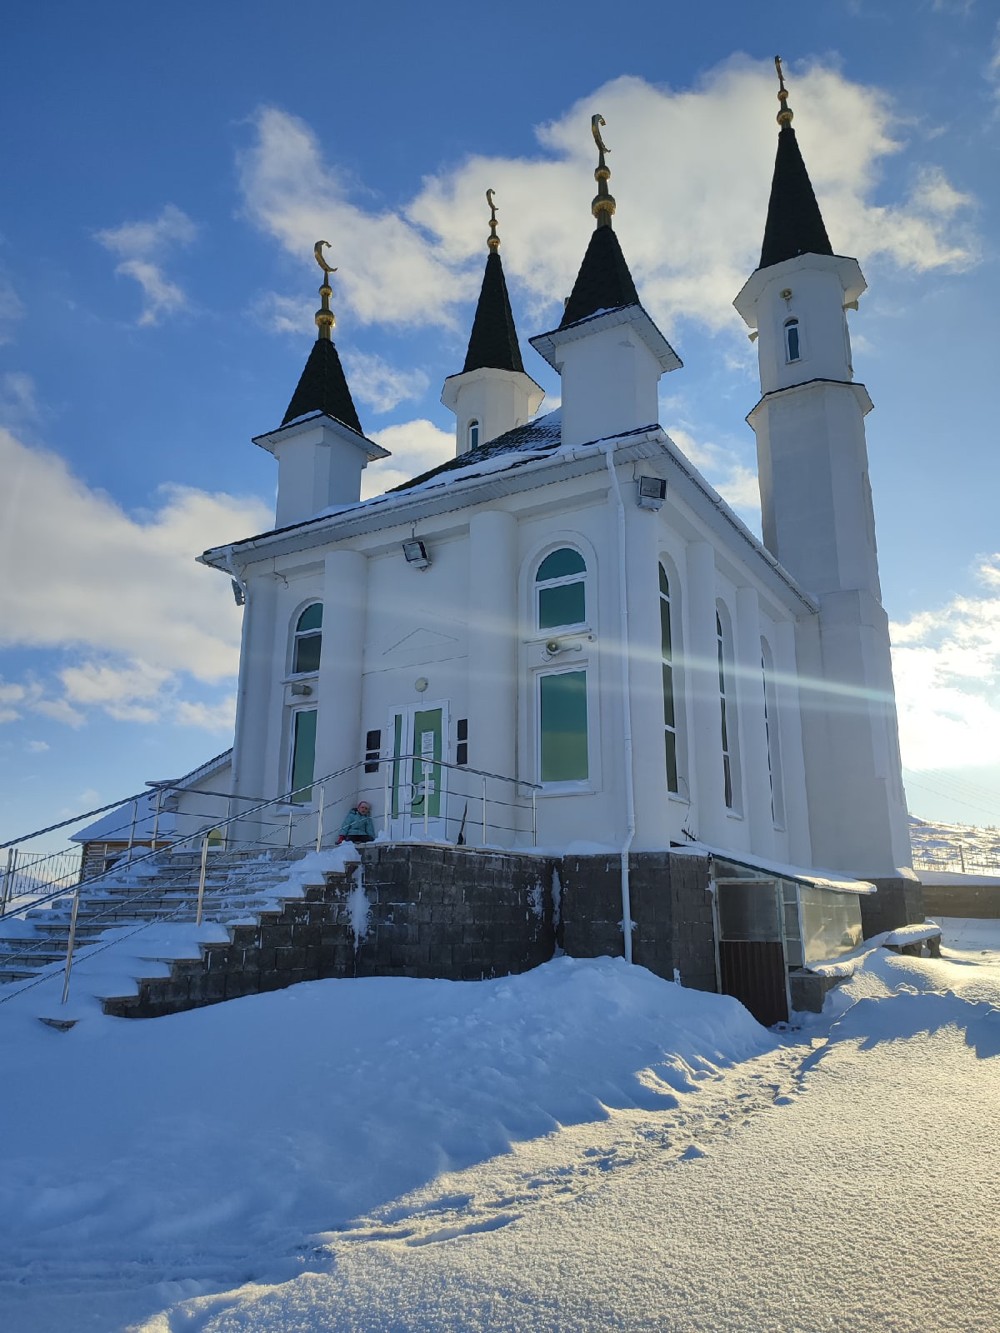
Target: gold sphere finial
(494,240)
(325,319)
(603,206)
(785,114)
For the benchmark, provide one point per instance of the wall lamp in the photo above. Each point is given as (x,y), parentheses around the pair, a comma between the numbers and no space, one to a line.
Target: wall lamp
(416,554)
(652,492)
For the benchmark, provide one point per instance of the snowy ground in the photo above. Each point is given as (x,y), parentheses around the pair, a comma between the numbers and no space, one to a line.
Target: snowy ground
(584,1147)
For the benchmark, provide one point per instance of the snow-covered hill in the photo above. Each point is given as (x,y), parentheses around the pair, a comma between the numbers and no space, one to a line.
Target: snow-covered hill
(961,848)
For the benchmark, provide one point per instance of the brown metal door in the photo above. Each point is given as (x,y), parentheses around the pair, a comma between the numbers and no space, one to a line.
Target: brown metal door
(753,971)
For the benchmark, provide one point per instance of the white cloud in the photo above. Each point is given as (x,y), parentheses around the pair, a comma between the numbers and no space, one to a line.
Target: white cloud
(723,468)
(416,447)
(380,385)
(141,245)
(389,271)
(690,168)
(947,669)
(37,747)
(18,399)
(122,594)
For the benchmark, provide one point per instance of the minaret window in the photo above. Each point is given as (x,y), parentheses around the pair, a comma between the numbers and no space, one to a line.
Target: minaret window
(562,714)
(472,436)
(667,656)
(561,589)
(792,343)
(308,640)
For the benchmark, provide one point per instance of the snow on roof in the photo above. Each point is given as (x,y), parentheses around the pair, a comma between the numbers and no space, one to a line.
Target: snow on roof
(116,825)
(814,878)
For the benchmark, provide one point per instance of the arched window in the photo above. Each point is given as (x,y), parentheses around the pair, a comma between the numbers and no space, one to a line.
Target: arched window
(792,347)
(667,656)
(773,738)
(308,640)
(472,435)
(728,720)
(561,589)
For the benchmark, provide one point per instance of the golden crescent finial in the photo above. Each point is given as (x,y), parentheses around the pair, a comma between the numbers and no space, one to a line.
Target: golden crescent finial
(325,319)
(494,240)
(318,252)
(785,114)
(596,121)
(603,205)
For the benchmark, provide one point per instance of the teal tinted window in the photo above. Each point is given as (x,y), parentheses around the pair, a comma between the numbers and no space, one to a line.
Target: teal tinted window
(560,564)
(566,604)
(308,639)
(563,727)
(303,754)
(562,589)
(311,618)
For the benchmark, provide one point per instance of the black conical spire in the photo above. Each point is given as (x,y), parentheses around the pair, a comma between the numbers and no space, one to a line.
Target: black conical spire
(493,342)
(794,223)
(322,386)
(604,281)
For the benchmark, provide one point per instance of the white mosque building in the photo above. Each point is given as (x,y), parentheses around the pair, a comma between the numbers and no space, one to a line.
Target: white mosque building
(563,637)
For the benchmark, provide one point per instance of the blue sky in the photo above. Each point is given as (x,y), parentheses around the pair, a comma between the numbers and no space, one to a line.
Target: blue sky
(169,168)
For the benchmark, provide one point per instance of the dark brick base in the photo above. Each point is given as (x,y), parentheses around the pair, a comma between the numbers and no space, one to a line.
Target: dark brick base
(442,912)
(975,900)
(671,911)
(898,902)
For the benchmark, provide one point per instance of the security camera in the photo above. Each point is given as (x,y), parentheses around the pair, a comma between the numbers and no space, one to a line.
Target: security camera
(552,646)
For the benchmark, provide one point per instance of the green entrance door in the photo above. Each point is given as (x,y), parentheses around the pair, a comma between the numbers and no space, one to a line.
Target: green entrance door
(418,800)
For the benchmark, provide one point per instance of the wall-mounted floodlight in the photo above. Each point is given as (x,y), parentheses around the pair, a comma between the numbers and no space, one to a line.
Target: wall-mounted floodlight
(416,554)
(239,596)
(652,492)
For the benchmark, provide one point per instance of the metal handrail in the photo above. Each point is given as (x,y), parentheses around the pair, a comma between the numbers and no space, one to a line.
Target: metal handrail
(285,799)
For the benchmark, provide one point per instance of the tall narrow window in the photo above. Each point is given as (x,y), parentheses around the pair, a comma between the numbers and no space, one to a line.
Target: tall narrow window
(472,435)
(561,588)
(562,710)
(792,352)
(308,640)
(303,754)
(773,739)
(727,757)
(667,655)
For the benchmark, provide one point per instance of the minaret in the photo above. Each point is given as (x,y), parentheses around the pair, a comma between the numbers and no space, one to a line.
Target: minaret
(607,350)
(320,447)
(492,394)
(818,521)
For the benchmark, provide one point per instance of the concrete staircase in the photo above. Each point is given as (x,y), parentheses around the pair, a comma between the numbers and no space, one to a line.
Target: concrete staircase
(165,888)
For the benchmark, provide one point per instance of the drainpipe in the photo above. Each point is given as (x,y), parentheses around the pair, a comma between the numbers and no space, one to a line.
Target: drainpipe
(608,451)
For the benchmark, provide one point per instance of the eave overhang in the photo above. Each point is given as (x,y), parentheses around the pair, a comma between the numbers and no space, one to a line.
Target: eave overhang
(860,392)
(305,425)
(852,280)
(548,344)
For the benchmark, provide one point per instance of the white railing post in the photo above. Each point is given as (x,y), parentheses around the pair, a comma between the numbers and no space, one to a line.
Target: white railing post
(319,818)
(484,812)
(534,817)
(385,800)
(427,801)
(201,878)
(8,879)
(156,815)
(288,842)
(131,832)
(70,944)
